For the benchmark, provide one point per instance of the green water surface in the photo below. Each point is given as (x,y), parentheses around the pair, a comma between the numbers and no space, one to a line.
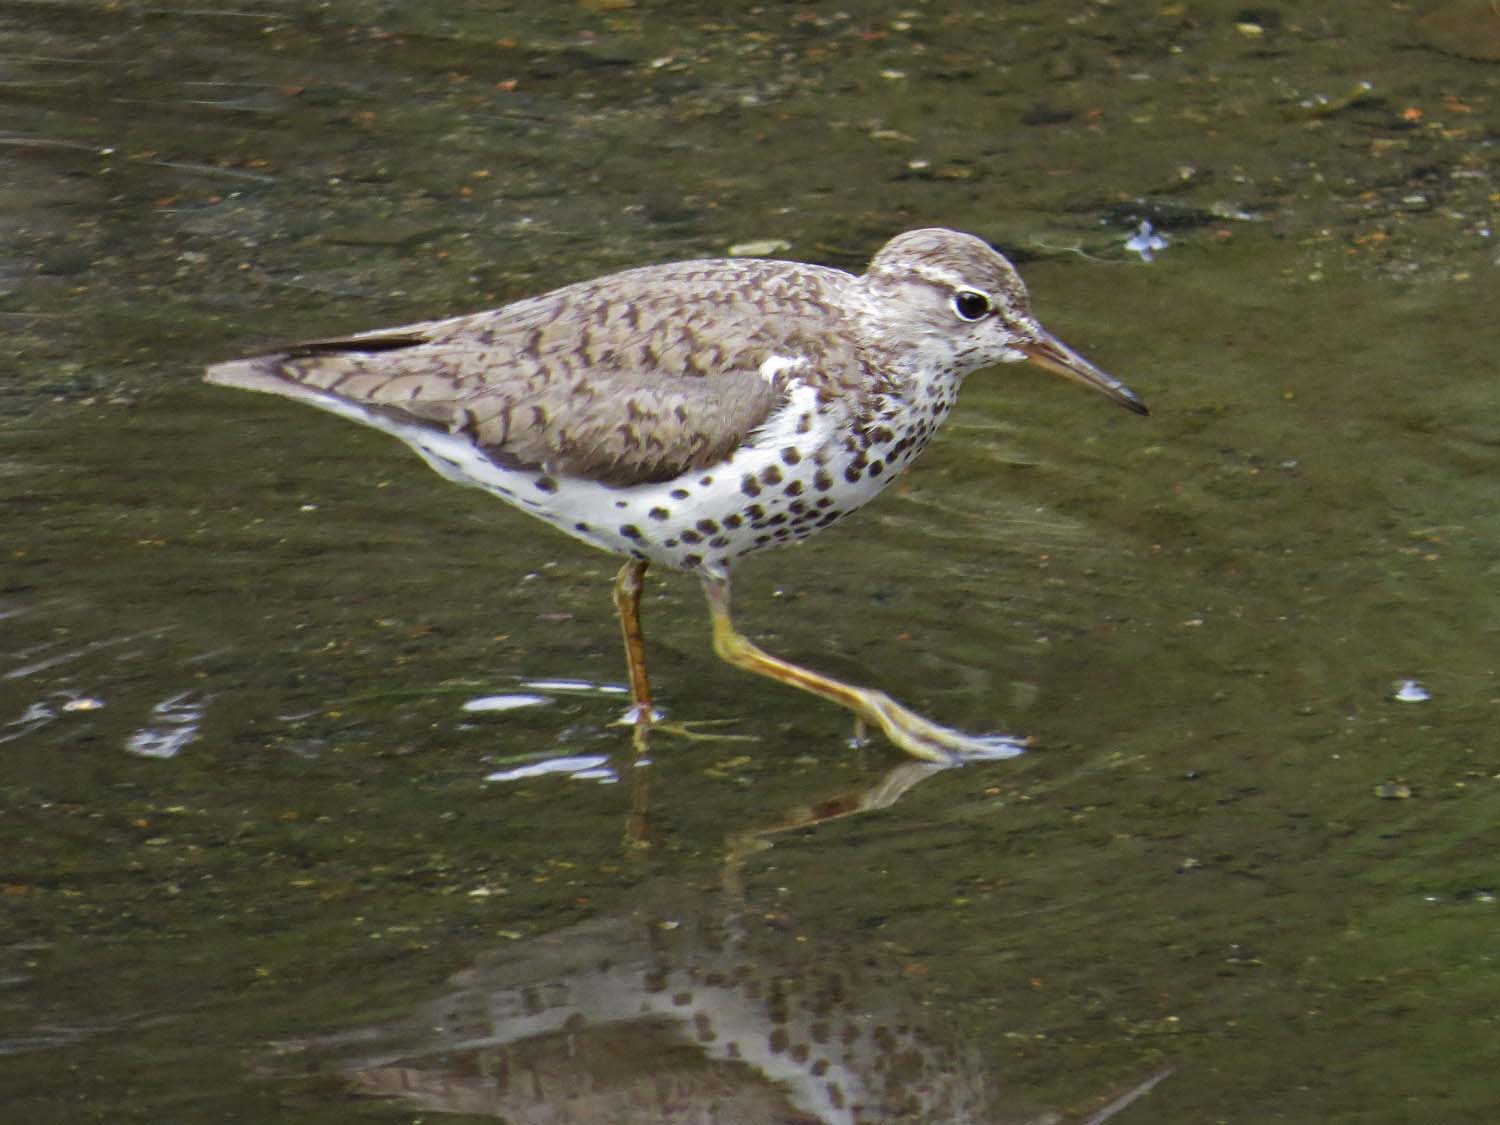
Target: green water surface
(243,809)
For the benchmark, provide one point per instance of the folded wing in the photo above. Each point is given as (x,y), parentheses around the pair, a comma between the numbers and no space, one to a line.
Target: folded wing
(635,377)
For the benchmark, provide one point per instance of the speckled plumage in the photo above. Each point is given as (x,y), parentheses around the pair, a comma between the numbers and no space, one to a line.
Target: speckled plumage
(686,413)
(690,413)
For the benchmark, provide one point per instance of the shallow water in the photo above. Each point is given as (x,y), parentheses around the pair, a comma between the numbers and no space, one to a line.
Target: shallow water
(255,866)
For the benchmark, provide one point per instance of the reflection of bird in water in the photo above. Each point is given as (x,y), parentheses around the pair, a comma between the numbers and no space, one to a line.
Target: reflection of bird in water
(646,1019)
(691,1007)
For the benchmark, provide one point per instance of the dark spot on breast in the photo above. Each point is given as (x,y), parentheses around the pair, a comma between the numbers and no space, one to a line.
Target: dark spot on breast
(545,484)
(581,527)
(733,521)
(822,481)
(790,456)
(708,527)
(881,435)
(825,501)
(679,494)
(852,474)
(771,474)
(692,560)
(796,507)
(691,536)
(749,485)
(621,504)
(705,482)
(658,513)
(669,543)
(877,467)
(630,531)
(793,489)
(804,423)
(720,541)
(778,518)
(762,540)
(755,512)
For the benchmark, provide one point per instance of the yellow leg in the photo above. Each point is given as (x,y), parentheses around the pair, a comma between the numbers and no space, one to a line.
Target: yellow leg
(643,714)
(919,737)
(628,584)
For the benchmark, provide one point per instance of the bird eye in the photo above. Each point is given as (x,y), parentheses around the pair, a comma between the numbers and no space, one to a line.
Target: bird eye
(970,304)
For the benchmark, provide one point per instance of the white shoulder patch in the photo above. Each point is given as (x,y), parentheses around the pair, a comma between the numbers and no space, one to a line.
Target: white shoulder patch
(776,365)
(798,421)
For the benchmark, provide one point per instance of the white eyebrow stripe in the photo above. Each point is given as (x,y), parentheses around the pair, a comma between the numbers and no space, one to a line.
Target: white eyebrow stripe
(944,277)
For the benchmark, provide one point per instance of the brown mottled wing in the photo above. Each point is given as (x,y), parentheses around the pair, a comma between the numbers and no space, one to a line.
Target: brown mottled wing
(634,377)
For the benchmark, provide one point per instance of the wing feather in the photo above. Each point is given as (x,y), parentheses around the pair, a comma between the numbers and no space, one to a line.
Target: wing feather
(634,377)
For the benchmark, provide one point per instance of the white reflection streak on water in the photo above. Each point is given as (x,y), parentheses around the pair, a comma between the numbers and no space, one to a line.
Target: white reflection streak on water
(584,686)
(492,703)
(578,767)
(178,718)
(32,719)
(76,654)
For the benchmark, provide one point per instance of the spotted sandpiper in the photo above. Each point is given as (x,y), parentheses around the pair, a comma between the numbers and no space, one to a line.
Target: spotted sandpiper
(688,414)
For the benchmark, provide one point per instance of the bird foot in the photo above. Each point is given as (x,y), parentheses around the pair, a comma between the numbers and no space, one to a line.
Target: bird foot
(689,729)
(932,742)
(692,730)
